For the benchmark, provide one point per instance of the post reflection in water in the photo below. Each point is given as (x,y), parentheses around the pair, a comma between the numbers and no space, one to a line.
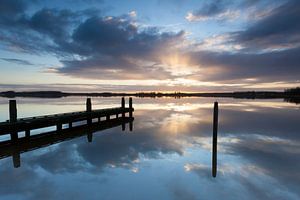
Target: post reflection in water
(9,148)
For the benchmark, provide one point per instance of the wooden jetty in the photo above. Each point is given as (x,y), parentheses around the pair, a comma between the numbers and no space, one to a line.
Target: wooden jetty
(14,125)
(15,146)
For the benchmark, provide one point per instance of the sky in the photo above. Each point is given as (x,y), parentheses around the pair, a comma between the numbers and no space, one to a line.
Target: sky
(155,45)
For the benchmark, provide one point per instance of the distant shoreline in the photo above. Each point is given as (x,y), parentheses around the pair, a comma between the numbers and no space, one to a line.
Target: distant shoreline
(246,95)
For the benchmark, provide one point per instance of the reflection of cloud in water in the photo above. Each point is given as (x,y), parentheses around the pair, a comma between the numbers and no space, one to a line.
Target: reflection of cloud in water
(24,183)
(251,181)
(278,158)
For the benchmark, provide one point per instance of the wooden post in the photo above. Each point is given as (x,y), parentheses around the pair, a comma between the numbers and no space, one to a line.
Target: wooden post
(123,106)
(90,137)
(123,102)
(16,159)
(13,118)
(12,110)
(89,109)
(58,127)
(215,137)
(123,126)
(27,133)
(107,117)
(70,125)
(130,107)
(130,126)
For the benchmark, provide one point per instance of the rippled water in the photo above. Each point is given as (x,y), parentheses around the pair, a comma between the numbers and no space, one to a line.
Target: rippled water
(166,156)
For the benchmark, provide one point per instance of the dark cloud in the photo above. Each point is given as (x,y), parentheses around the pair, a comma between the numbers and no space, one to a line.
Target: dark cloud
(279,29)
(18,61)
(221,9)
(115,47)
(43,32)
(119,37)
(280,65)
(9,8)
(52,22)
(210,9)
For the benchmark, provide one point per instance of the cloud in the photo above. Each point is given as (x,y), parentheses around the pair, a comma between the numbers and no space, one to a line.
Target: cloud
(52,22)
(278,30)
(132,13)
(211,9)
(114,45)
(46,31)
(215,9)
(9,8)
(223,10)
(17,61)
(229,15)
(280,65)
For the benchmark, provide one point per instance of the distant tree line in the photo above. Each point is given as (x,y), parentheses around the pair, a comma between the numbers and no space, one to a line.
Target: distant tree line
(293,91)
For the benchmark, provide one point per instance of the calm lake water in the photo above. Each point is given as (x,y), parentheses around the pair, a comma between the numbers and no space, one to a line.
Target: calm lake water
(166,156)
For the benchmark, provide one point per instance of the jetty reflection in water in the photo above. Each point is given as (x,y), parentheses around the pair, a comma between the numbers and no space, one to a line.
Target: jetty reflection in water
(25,144)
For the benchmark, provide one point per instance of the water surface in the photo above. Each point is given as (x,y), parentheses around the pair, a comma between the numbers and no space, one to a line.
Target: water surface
(166,156)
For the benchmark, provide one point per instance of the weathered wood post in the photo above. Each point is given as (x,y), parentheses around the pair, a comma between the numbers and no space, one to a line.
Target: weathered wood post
(123,106)
(130,126)
(215,137)
(90,137)
(130,107)
(89,110)
(16,158)
(59,127)
(13,118)
(123,126)
(107,117)
(27,133)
